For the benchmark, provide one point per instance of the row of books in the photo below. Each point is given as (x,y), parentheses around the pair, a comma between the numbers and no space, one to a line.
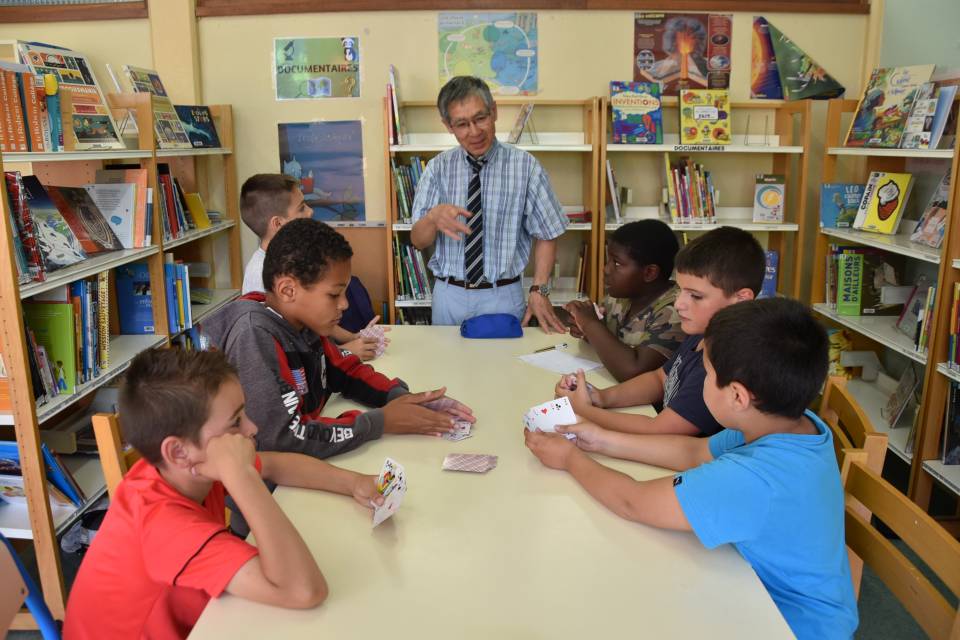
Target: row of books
(691,196)
(135,300)
(407,315)
(906,107)
(181,211)
(637,117)
(951,426)
(56,227)
(879,206)
(413,282)
(396,125)
(25,122)
(405,179)
(62,486)
(68,336)
(953,343)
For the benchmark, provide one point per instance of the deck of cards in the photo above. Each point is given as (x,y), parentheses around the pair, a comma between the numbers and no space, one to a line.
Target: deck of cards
(461,431)
(375,331)
(392,485)
(548,415)
(469,462)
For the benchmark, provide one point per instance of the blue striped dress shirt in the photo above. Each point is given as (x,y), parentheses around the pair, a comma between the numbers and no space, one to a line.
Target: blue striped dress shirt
(518,205)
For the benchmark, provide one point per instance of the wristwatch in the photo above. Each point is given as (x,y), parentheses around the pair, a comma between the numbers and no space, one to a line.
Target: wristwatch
(542,289)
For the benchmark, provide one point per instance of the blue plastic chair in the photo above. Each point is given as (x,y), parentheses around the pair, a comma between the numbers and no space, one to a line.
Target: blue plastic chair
(49,628)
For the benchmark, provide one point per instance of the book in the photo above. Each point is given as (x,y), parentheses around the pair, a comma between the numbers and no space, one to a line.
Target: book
(142,227)
(134,300)
(849,273)
(704,116)
(399,121)
(25,239)
(769,287)
(768,198)
(58,244)
(883,201)
(85,219)
(885,105)
(900,397)
(951,427)
(839,204)
(197,211)
(166,123)
(56,473)
(614,193)
(912,308)
(919,125)
(13,492)
(92,123)
(197,122)
(933,222)
(523,116)
(945,109)
(704,62)
(53,326)
(118,205)
(636,112)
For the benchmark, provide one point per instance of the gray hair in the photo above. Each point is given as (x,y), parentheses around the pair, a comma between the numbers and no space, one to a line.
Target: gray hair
(460,88)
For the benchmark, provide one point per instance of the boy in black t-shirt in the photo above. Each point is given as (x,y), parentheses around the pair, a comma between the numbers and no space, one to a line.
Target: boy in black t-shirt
(720,268)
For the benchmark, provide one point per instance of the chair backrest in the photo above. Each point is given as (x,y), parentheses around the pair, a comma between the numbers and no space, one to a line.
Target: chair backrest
(17,587)
(116,461)
(868,493)
(850,425)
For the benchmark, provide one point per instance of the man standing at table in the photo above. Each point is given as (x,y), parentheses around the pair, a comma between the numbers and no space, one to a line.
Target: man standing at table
(484,204)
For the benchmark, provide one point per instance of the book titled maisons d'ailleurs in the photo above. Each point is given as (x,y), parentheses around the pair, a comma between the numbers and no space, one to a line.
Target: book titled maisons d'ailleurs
(636,112)
(849,278)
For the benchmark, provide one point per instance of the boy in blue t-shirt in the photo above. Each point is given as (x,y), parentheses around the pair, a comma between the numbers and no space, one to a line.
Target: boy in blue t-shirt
(716,270)
(768,484)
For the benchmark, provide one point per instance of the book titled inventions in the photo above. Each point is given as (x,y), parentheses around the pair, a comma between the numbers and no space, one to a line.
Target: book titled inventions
(636,113)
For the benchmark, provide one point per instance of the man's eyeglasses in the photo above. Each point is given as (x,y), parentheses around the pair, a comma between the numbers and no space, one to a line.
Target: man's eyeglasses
(480,120)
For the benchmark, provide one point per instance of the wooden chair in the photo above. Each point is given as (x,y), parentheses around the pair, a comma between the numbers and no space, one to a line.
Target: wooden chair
(868,493)
(18,587)
(115,460)
(851,427)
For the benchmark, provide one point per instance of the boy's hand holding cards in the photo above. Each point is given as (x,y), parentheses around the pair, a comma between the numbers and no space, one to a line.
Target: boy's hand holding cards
(461,431)
(548,415)
(375,331)
(392,484)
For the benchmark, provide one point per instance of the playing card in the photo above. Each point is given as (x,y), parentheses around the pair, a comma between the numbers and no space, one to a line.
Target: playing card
(376,331)
(461,431)
(392,484)
(471,462)
(548,415)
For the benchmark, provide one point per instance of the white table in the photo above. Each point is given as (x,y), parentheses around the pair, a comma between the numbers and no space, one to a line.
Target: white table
(519,552)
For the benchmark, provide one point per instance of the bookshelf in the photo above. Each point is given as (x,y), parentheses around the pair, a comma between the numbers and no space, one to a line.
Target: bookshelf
(566,142)
(770,136)
(896,349)
(211,172)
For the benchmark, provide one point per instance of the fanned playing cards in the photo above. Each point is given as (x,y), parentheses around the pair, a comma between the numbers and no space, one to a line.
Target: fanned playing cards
(548,415)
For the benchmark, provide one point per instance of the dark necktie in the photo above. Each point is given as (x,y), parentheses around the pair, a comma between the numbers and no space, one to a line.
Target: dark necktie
(473,243)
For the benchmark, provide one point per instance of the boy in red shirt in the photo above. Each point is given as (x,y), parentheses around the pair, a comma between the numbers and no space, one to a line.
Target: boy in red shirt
(163,550)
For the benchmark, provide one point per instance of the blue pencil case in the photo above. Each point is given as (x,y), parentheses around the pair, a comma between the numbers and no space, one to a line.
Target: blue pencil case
(492,325)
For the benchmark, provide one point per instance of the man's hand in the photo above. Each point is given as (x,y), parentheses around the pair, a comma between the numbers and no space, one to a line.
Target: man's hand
(444,218)
(409,415)
(455,408)
(590,436)
(539,306)
(225,454)
(365,491)
(578,390)
(552,449)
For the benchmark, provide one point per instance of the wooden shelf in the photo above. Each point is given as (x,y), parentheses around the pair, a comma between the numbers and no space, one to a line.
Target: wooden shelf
(220,298)
(567,142)
(76,156)
(955,264)
(899,243)
(948,371)
(939,154)
(881,329)
(947,474)
(740,217)
(415,304)
(88,267)
(872,397)
(185,153)
(196,234)
(15,519)
(739,144)
(123,349)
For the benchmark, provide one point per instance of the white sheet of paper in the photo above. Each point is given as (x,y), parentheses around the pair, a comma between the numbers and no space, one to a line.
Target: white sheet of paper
(559,361)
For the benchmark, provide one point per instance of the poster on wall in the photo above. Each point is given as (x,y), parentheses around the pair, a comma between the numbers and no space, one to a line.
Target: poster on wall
(316,68)
(800,76)
(500,48)
(327,159)
(764,77)
(682,50)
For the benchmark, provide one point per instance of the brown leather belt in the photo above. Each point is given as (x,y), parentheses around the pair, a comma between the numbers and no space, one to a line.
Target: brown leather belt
(482,285)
